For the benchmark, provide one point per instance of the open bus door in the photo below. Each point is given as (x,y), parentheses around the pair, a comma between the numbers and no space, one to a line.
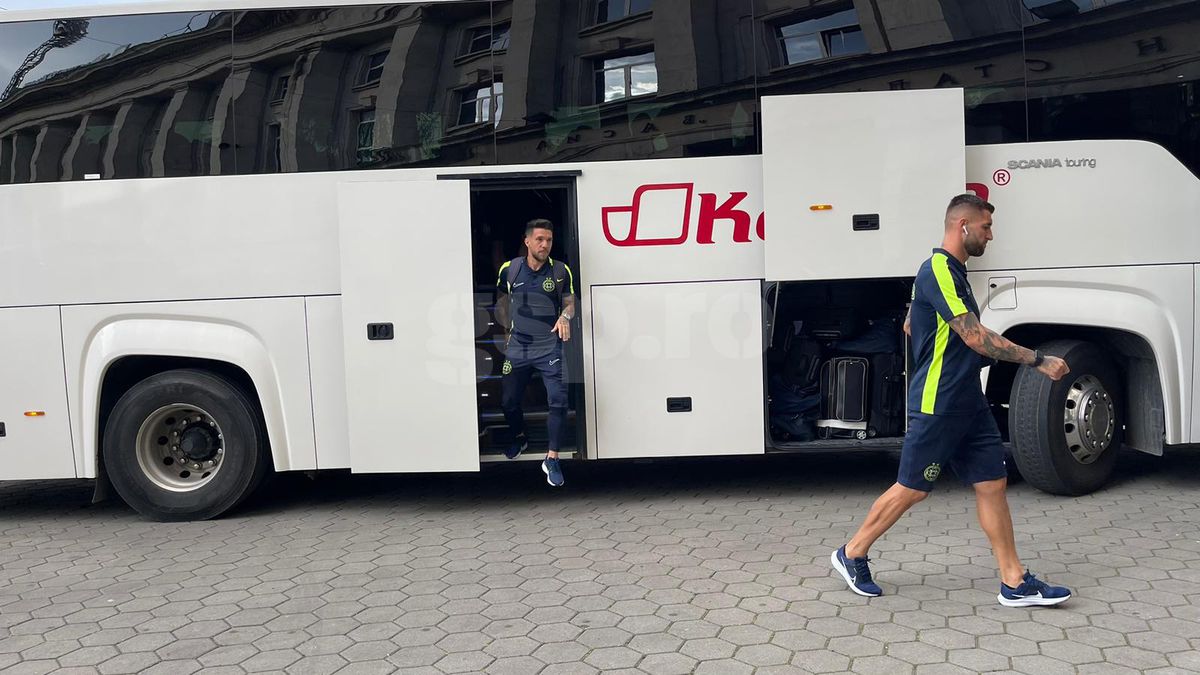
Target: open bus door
(856,184)
(407,313)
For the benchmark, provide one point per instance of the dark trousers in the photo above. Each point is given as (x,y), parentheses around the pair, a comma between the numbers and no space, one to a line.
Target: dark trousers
(517,374)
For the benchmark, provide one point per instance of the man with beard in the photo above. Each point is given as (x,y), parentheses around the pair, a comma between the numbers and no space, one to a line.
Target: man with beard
(950,423)
(535,306)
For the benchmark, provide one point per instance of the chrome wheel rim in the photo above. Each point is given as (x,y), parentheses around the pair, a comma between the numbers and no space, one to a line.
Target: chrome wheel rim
(180,447)
(1089,419)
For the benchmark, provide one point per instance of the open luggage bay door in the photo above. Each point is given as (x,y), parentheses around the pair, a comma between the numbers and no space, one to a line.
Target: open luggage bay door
(856,184)
(407,317)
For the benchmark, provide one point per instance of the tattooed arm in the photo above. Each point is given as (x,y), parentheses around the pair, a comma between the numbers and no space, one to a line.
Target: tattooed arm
(991,344)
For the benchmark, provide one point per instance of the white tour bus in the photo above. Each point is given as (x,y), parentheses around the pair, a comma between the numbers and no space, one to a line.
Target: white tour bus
(238,237)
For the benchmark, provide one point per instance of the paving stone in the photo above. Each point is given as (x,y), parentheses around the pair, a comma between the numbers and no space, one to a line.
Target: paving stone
(880,665)
(610,658)
(727,576)
(820,661)
(762,655)
(667,664)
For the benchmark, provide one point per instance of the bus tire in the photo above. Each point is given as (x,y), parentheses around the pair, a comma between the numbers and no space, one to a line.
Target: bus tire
(185,445)
(1065,435)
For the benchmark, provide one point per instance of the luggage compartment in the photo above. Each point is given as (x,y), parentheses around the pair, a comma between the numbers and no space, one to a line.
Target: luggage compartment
(837,362)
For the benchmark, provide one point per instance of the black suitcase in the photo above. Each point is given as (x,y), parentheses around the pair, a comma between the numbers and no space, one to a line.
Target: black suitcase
(888,395)
(844,390)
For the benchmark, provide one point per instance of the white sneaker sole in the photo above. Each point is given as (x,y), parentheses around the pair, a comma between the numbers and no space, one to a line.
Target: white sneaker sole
(1031,602)
(547,472)
(841,569)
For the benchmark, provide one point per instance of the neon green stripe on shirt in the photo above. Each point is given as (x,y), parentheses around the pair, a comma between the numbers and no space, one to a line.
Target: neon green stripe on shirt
(941,271)
(934,375)
(500,276)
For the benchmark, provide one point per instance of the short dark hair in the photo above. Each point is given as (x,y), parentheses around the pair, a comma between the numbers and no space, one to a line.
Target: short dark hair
(538,224)
(968,199)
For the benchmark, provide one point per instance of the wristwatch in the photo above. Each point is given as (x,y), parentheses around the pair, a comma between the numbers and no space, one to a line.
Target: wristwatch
(1038,357)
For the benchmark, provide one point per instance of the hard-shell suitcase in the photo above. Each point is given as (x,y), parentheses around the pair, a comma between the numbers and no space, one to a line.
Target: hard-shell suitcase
(844,396)
(887,398)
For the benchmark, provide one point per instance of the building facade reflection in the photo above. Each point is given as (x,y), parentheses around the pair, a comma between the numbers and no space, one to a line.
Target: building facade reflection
(537,81)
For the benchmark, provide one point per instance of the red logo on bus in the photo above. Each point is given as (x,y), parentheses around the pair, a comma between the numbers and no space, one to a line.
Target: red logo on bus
(674,201)
(670,219)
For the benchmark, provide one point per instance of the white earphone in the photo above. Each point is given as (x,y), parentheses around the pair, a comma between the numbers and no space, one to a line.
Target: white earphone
(964,230)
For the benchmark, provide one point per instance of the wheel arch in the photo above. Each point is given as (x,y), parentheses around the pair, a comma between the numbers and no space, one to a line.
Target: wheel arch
(121,353)
(1136,361)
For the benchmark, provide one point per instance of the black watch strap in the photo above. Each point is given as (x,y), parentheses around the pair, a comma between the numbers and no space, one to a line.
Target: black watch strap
(1037,358)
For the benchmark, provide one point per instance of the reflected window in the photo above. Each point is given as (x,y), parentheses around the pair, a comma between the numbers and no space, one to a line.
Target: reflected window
(481,104)
(365,136)
(485,38)
(274,148)
(625,77)
(1059,9)
(818,38)
(612,10)
(372,69)
(281,88)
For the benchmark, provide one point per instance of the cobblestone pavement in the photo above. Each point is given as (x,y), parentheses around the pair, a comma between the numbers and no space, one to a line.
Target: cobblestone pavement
(698,566)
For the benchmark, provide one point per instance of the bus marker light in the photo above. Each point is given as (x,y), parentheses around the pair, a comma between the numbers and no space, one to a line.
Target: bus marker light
(35,413)
(821,207)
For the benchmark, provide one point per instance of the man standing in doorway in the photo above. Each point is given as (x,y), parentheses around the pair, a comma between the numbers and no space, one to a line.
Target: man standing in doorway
(535,304)
(950,424)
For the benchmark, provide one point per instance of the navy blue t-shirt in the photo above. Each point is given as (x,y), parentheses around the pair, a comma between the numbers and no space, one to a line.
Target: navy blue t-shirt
(946,378)
(535,308)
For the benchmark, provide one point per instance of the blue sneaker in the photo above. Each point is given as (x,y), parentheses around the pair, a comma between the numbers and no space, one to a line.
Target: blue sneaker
(520,444)
(856,572)
(554,475)
(1032,592)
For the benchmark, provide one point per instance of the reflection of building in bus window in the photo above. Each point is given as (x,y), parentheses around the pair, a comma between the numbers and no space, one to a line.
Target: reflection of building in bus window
(813,38)
(481,103)
(365,136)
(626,76)
(371,70)
(464,83)
(612,10)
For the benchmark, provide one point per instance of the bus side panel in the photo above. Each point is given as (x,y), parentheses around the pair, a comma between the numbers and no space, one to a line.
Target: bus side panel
(263,337)
(1154,302)
(331,425)
(1193,417)
(32,380)
(679,369)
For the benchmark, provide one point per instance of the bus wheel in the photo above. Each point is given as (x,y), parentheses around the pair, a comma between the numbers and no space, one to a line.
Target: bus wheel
(185,445)
(1065,435)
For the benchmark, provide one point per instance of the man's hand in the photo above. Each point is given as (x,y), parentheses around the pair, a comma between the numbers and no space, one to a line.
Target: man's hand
(908,326)
(1053,367)
(563,328)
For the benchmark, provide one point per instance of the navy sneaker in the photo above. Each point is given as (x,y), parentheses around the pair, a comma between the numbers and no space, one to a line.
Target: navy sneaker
(856,572)
(1032,592)
(520,444)
(554,475)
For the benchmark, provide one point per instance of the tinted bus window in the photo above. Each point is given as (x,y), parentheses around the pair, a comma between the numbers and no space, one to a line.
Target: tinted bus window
(667,78)
(112,97)
(819,46)
(1116,70)
(364,87)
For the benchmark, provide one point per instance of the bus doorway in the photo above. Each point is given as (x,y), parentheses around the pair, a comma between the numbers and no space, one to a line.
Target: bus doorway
(500,209)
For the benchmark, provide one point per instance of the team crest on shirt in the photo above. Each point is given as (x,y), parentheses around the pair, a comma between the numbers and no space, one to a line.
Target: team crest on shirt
(933,471)
(506,368)
(548,285)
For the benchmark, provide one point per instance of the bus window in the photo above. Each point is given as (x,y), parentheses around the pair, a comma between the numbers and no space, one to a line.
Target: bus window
(83,91)
(809,47)
(1086,83)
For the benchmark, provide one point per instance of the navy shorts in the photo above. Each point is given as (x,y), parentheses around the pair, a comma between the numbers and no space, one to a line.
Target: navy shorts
(969,444)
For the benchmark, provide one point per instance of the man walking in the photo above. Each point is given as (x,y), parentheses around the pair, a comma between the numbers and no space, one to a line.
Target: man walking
(950,424)
(535,304)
